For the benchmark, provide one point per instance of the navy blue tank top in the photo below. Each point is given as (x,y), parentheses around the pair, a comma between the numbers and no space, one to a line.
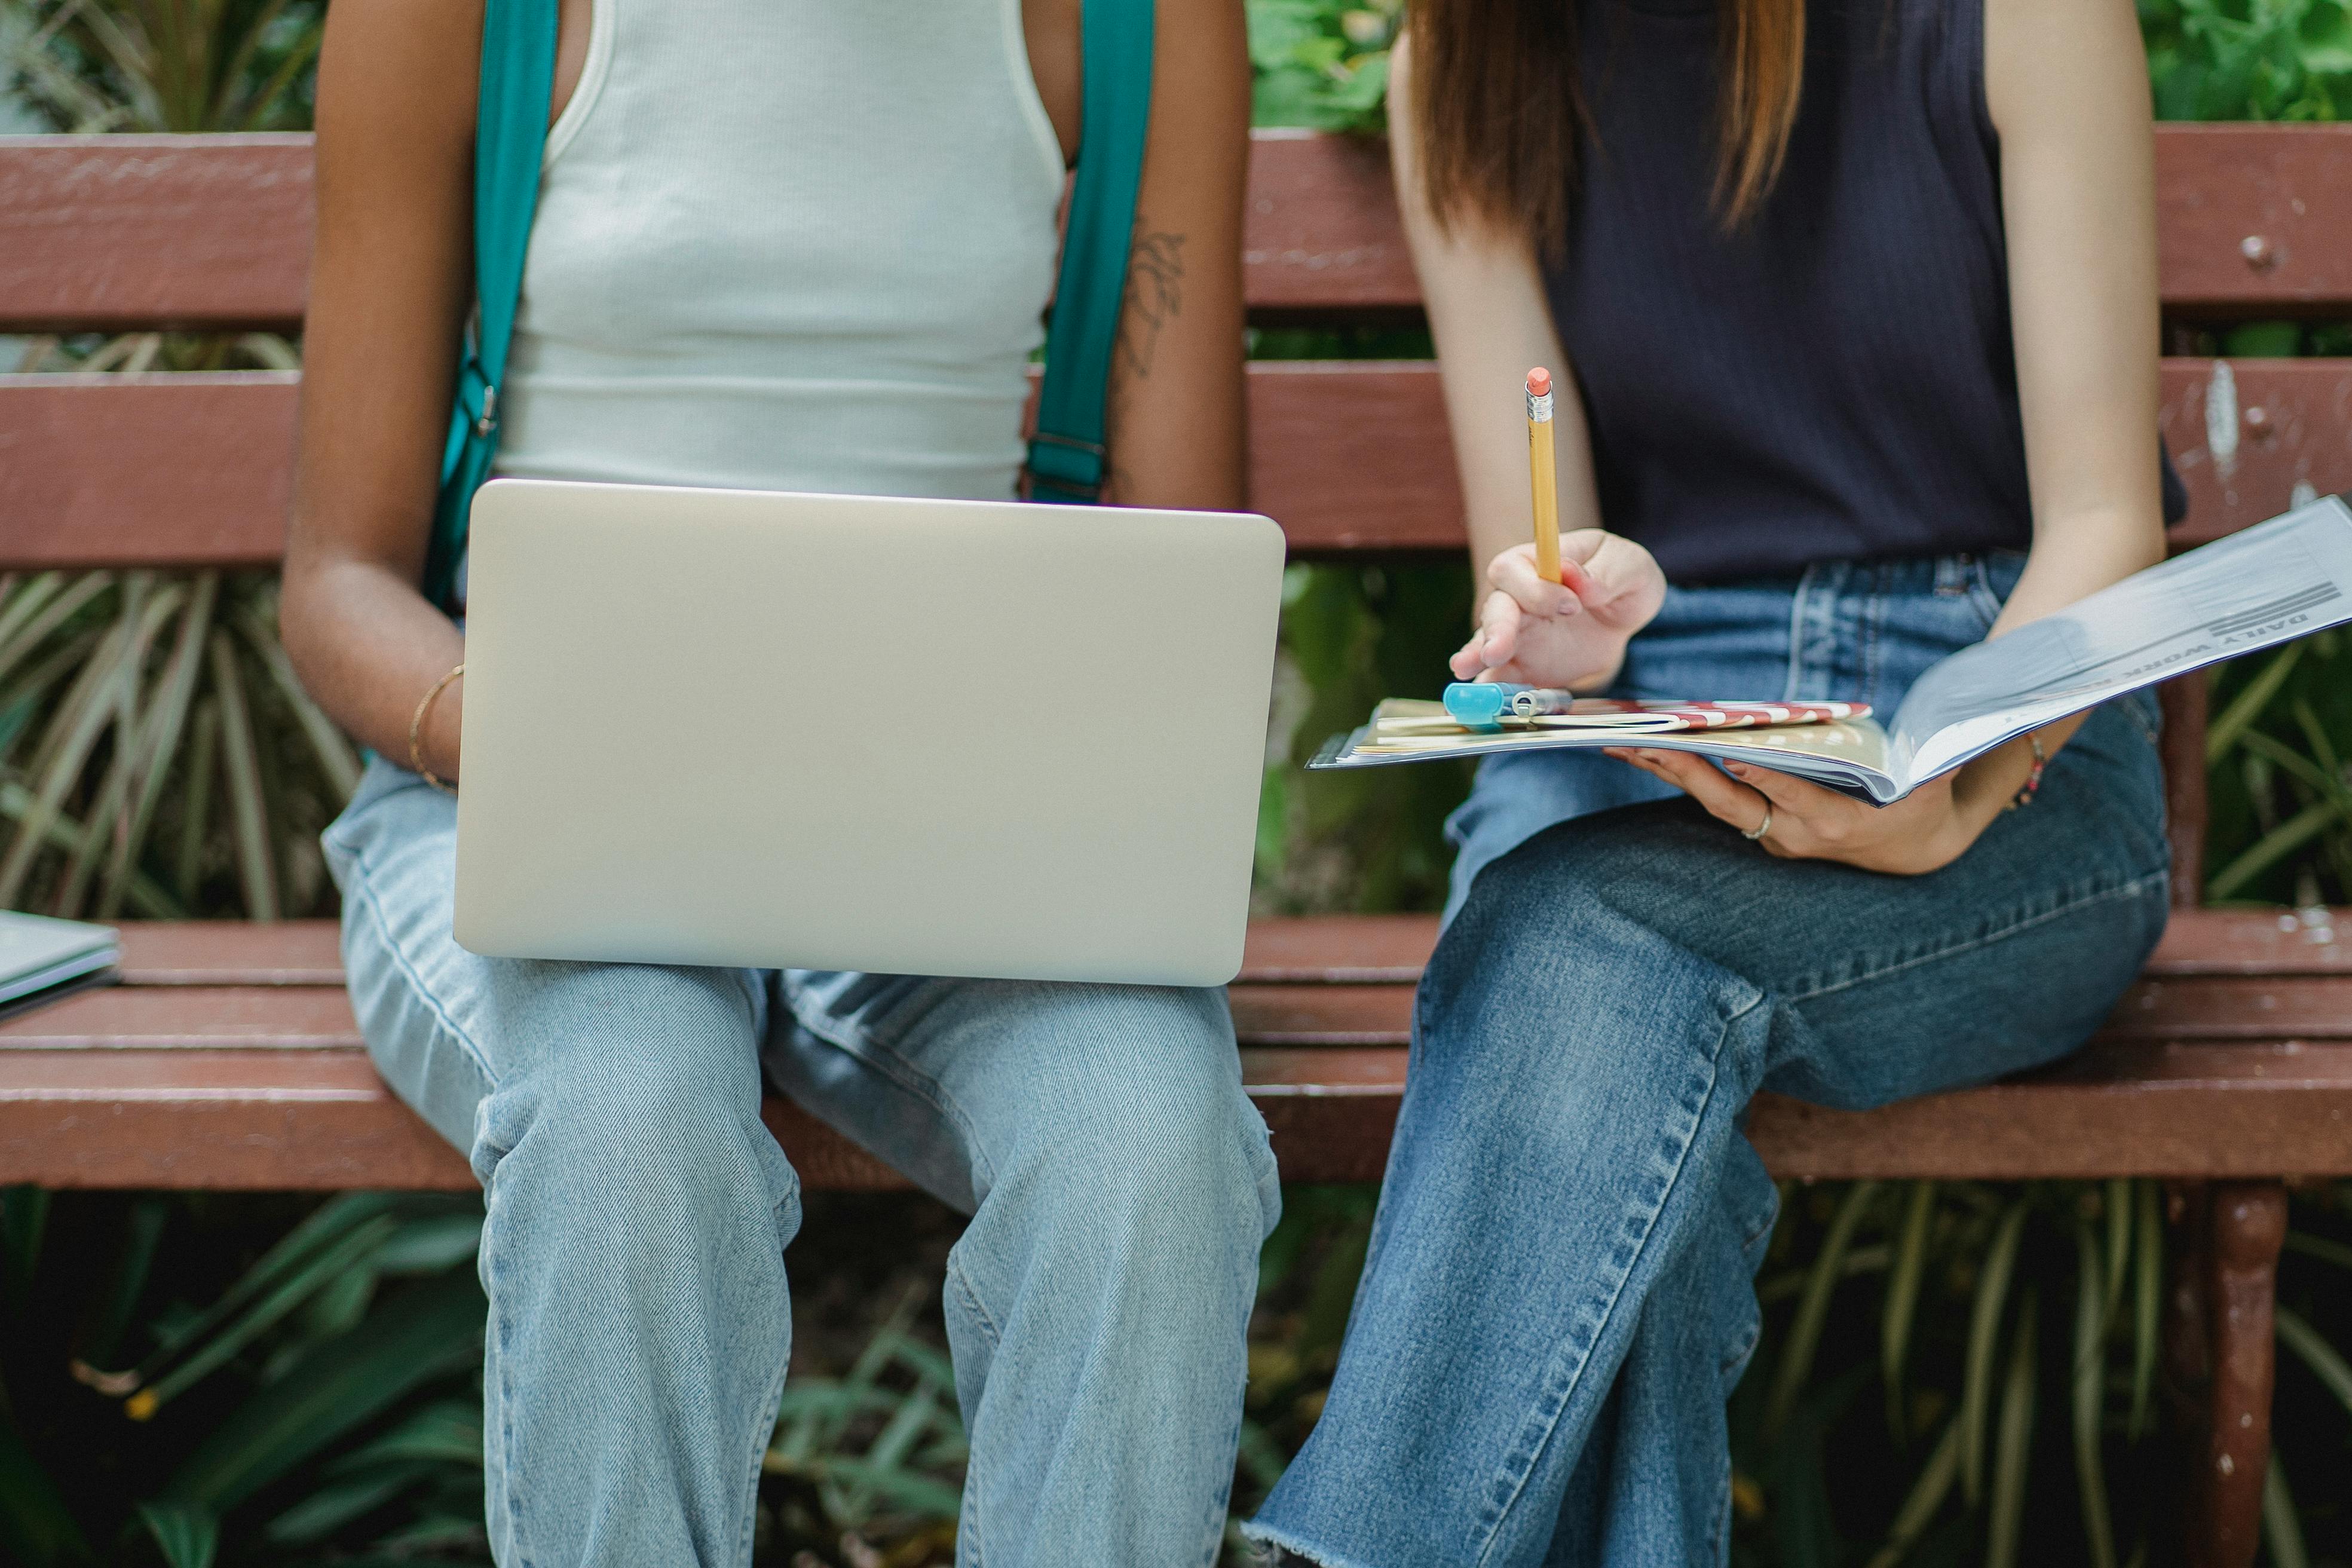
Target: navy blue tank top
(1835,380)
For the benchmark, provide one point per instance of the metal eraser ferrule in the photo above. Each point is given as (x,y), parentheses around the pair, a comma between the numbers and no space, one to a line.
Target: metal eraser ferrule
(1539,409)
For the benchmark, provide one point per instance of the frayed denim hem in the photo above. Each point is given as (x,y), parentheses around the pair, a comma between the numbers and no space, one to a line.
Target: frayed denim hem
(1269,1541)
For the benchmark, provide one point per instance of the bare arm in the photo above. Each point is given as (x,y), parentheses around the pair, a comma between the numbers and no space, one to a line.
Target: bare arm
(1176,424)
(1491,323)
(391,284)
(2070,97)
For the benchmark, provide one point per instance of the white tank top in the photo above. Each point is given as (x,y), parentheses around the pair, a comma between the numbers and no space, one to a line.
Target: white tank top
(789,245)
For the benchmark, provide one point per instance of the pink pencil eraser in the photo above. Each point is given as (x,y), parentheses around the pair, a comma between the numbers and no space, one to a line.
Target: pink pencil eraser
(1540,382)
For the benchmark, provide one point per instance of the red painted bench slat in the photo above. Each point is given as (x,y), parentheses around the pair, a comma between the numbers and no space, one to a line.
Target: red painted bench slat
(125,231)
(1348,456)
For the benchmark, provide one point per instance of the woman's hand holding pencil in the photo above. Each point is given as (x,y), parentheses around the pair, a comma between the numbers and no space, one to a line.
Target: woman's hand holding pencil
(1564,605)
(1571,633)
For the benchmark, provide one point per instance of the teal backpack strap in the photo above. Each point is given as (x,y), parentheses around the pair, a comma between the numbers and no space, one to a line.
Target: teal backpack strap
(509,138)
(1066,457)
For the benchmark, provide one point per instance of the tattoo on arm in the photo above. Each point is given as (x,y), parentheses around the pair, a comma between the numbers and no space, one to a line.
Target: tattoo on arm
(1155,295)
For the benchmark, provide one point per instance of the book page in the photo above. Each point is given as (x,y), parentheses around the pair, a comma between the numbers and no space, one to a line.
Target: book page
(2272,583)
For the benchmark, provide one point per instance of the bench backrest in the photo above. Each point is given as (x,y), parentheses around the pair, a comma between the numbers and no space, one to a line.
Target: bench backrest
(134,233)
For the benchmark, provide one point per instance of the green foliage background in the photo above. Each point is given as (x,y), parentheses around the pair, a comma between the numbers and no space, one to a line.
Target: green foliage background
(1949,1373)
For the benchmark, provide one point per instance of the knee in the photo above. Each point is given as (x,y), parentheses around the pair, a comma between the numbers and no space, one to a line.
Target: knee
(1158,1133)
(640,1115)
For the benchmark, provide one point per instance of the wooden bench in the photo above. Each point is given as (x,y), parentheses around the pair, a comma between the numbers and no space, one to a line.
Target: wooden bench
(229,1059)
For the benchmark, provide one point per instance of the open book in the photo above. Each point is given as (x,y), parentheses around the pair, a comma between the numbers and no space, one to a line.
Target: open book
(2270,584)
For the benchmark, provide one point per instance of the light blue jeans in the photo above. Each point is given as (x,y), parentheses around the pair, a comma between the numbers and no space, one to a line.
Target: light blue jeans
(1119,1181)
(1560,1293)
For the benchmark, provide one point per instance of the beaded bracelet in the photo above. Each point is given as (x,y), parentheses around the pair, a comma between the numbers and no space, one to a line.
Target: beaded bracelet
(416,732)
(2032,785)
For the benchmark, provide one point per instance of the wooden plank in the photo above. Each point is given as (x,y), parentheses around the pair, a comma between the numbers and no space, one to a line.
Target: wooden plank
(1349,456)
(127,232)
(231,953)
(315,1119)
(1288,951)
(146,470)
(2246,434)
(2251,222)
(193,1017)
(215,231)
(2255,942)
(2233,1008)
(1339,949)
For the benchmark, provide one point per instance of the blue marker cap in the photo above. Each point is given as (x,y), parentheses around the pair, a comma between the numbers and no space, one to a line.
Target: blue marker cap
(1480,705)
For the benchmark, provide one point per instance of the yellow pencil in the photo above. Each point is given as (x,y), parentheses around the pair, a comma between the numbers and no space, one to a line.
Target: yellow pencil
(1541,475)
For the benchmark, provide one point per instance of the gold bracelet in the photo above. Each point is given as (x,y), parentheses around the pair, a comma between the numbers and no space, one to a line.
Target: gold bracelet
(416,732)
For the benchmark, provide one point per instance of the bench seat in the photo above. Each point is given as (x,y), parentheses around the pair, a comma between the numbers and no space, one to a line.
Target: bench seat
(228,1058)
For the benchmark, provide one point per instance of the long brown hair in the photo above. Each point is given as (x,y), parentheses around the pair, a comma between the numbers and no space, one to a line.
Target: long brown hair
(1497,97)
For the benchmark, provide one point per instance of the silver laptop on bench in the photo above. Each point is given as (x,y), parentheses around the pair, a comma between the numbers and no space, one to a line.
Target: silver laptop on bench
(921,737)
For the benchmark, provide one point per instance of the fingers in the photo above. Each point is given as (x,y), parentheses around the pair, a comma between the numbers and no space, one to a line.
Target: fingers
(1726,800)
(1513,573)
(1493,643)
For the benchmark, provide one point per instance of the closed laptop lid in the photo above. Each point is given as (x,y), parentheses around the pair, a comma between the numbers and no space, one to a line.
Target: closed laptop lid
(848,732)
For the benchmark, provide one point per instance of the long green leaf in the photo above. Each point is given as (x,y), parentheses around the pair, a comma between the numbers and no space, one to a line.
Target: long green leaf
(1927,1495)
(430,1331)
(2319,1247)
(2248,705)
(159,741)
(1797,1352)
(2090,1389)
(187,1537)
(2005,1517)
(2311,1348)
(142,1232)
(1903,1301)
(2116,1210)
(448,1433)
(2282,1530)
(321,1228)
(240,754)
(314,1275)
(1984,1337)
(18,641)
(336,758)
(2272,847)
(57,761)
(107,819)
(37,1528)
(2147,1301)
(17,803)
(196,799)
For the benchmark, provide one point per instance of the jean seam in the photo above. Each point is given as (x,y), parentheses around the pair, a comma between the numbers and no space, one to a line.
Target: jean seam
(763,1433)
(962,1282)
(887,1061)
(1714,1083)
(374,911)
(2068,904)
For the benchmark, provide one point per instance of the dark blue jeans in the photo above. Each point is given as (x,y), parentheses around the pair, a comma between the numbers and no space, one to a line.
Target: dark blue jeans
(1559,1297)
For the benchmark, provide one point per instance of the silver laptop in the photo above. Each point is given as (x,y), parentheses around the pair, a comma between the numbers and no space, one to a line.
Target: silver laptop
(921,737)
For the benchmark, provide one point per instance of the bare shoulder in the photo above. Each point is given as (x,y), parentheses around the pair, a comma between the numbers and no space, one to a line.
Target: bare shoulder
(2077,64)
(397,77)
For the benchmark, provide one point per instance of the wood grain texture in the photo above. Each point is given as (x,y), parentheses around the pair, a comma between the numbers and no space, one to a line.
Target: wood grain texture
(1297,949)
(145,470)
(121,232)
(2249,1223)
(1350,456)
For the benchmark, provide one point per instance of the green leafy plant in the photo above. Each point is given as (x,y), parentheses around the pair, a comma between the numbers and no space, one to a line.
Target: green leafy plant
(1323,63)
(2249,59)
